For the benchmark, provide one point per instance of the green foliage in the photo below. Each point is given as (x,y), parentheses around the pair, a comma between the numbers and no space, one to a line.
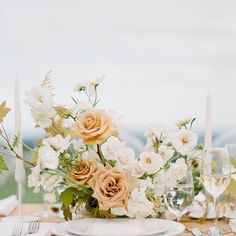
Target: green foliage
(3,111)
(74,196)
(98,213)
(3,165)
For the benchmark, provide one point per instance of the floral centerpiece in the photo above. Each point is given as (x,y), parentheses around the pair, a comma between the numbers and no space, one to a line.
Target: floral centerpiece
(82,152)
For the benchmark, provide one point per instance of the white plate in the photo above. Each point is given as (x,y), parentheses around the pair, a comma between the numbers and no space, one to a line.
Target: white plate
(230,214)
(121,227)
(198,215)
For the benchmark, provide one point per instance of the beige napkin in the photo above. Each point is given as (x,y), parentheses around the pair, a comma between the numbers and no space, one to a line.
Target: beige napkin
(7,205)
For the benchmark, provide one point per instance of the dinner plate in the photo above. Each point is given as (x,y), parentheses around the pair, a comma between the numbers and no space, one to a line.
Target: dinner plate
(121,227)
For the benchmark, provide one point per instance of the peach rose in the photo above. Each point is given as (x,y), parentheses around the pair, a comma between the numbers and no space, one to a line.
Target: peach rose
(111,187)
(94,126)
(84,170)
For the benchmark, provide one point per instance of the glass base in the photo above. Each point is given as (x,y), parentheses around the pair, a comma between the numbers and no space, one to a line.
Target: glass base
(44,214)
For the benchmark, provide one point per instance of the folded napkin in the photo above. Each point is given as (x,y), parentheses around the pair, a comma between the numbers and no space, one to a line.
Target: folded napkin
(6,228)
(7,205)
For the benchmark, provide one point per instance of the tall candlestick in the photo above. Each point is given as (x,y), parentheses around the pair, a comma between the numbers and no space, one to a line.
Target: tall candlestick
(208,124)
(19,171)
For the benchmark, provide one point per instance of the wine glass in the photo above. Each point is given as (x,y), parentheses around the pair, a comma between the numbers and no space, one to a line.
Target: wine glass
(215,174)
(179,197)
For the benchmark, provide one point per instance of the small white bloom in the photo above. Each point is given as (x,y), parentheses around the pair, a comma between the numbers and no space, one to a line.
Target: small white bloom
(184,141)
(39,96)
(152,162)
(159,183)
(50,182)
(126,158)
(118,211)
(34,178)
(49,198)
(178,169)
(156,130)
(137,170)
(144,184)
(111,147)
(80,86)
(43,116)
(58,142)
(48,157)
(183,122)
(90,154)
(139,206)
(166,152)
(92,84)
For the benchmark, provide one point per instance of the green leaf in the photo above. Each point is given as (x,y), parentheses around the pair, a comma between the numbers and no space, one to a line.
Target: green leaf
(67,196)
(3,165)
(3,111)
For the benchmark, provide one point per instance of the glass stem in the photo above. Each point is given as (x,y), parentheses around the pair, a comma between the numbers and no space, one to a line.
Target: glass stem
(216,211)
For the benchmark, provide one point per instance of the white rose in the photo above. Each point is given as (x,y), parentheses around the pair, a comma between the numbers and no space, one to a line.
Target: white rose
(139,206)
(159,183)
(184,141)
(137,170)
(178,169)
(152,162)
(58,143)
(126,158)
(48,157)
(90,154)
(111,147)
(166,152)
(50,182)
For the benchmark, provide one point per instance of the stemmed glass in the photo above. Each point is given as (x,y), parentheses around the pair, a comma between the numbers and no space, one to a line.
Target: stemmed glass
(215,174)
(179,197)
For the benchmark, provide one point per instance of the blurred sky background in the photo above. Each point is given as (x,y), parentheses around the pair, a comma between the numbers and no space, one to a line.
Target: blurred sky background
(160,57)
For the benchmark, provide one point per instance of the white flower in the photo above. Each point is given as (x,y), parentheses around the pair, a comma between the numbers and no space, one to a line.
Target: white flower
(48,157)
(183,122)
(92,84)
(166,152)
(144,184)
(80,86)
(152,162)
(50,182)
(156,130)
(137,170)
(39,96)
(43,116)
(49,198)
(159,183)
(126,158)
(139,206)
(111,147)
(58,143)
(119,211)
(34,178)
(90,154)
(178,169)
(184,141)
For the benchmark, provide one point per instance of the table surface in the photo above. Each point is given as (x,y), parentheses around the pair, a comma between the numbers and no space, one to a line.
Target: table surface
(29,209)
